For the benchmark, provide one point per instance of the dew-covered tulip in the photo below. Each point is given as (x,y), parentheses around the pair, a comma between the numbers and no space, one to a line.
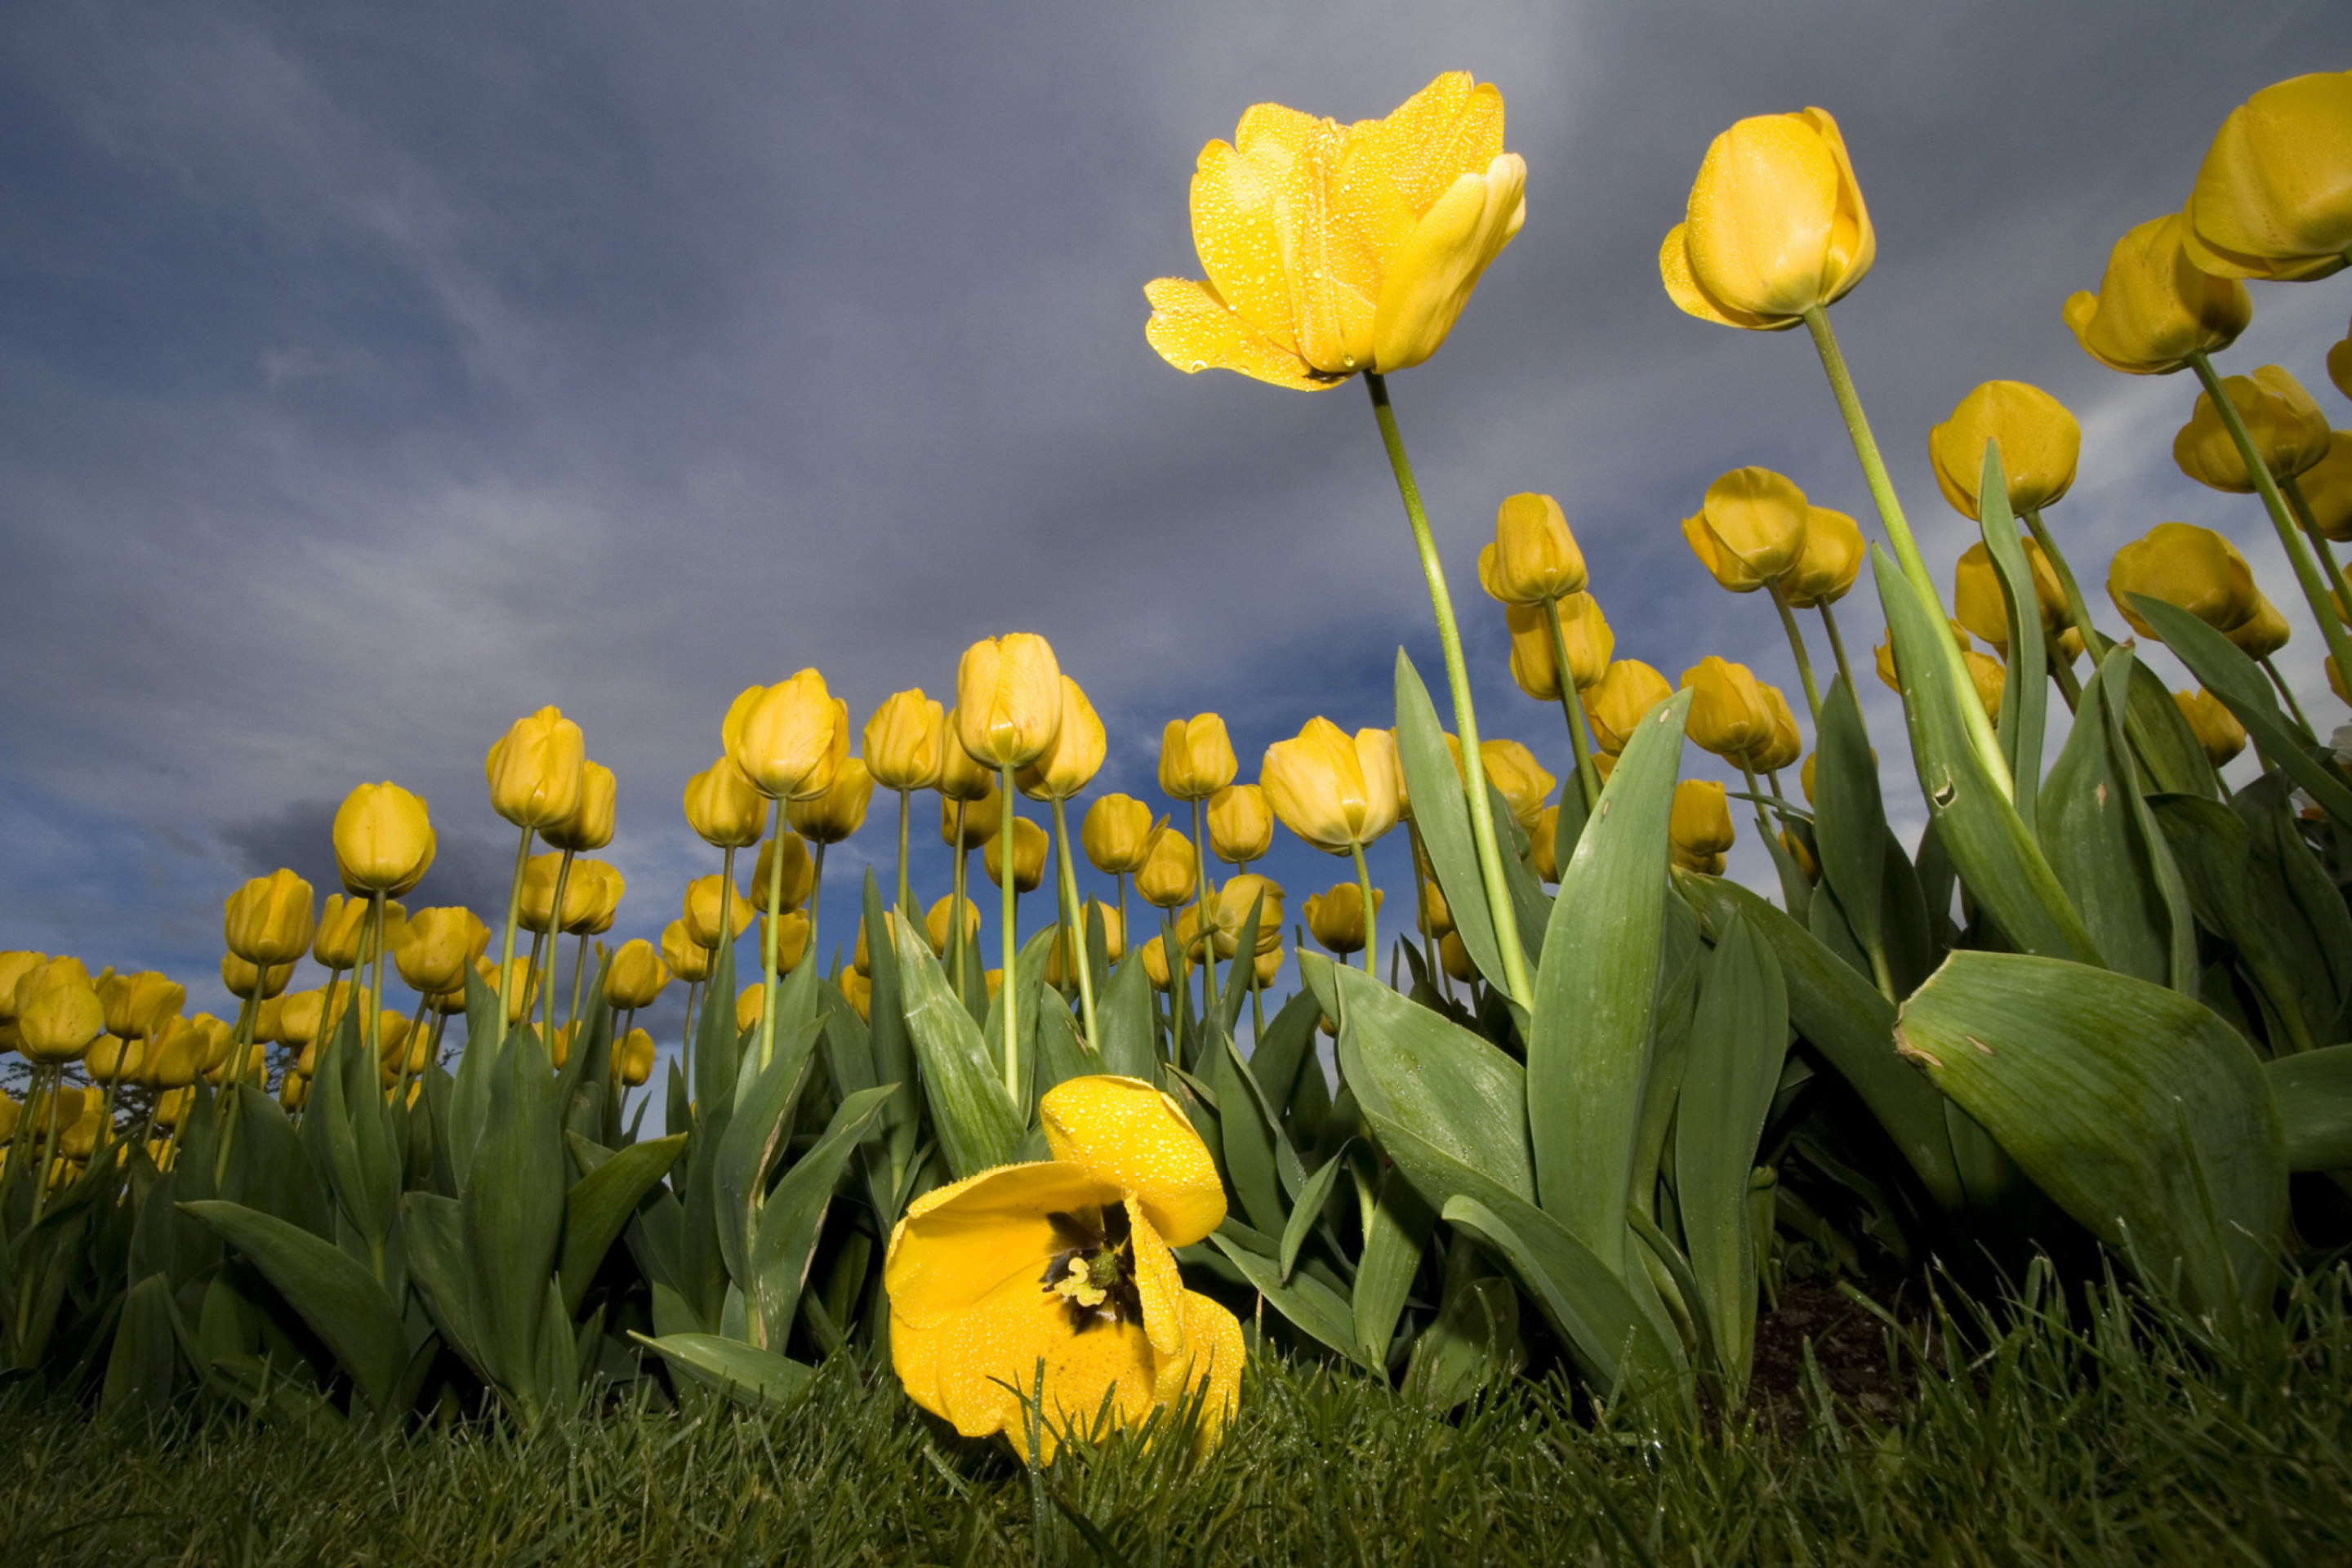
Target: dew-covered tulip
(1699,826)
(701,914)
(935,922)
(1029,843)
(1117,835)
(1978,605)
(536,770)
(1825,568)
(1534,556)
(905,741)
(2286,426)
(962,776)
(1241,823)
(635,978)
(2273,197)
(787,738)
(1332,249)
(2194,568)
(980,816)
(1075,754)
(1521,779)
(1729,715)
(686,958)
(2039,444)
(436,946)
(269,920)
(1169,873)
(2216,728)
(837,813)
(1775,225)
(383,839)
(1196,758)
(2263,633)
(1338,792)
(1626,691)
(2154,308)
(1008,700)
(2326,487)
(723,808)
(1336,916)
(1751,529)
(245,980)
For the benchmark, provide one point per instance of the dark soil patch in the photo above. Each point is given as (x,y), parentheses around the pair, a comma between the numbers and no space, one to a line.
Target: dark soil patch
(1850,1348)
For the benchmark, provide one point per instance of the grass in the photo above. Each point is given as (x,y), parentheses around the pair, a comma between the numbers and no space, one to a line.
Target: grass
(2114,1436)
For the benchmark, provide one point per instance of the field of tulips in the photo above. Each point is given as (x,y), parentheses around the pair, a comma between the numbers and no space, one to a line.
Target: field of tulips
(1558,1119)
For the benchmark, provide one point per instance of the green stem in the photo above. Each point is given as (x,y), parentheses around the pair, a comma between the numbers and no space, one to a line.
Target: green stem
(1797,647)
(514,913)
(2095,642)
(1118,880)
(1588,777)
(1080,952)
(816,892)
(408,1050)
(1371,915)
(906,897)
(2062,670)
(375,1020)
(767,942)
(1008,880)
(2306,571)
(1202,919)
(955,905)
(1465,718)
(2288,693)
(686,1045)
(2302,505)
(579,969)
(554,937)
(1837,650)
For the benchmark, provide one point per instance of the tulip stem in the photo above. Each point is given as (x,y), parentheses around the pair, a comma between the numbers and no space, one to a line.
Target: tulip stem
(2306,571)
(2062,670)
(375,997)
(554,935)
(1973,718)
(767,943)
(2095,642)
(2302,505)
(1201,917)
(1797,647)
(1465,718)
(955,908)
(2288,693)
(514,913)
(1118,880)
(1837,651)
(1588,777)
(906,897)
(1008,880)
(579,968)
(686,1045)
(1080,949)
(1371,914)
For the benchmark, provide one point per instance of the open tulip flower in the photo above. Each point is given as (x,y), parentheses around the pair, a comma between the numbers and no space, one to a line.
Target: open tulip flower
(1057,1277)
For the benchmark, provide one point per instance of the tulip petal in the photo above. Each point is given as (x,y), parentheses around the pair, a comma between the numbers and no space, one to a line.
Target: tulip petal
(1682,288)
(1234,230)
(1192,330)
(1213,1356)
(1158,1286)
(1762,215)
(1431,278)
(1124,1133)
(1450,128)
(959,1243)
(1853,244)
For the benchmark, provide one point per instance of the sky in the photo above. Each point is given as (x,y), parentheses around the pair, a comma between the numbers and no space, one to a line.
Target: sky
(369,377)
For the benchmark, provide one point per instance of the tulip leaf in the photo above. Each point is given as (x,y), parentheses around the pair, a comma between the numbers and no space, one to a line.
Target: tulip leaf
(2026,693)
(1441,813)
(272,1172)
(432,1229)
(140,1365)
(2093,839)
(2314,1092)
(1397,1233)
(1996,857)
(1849,1023)
(470,1106)
(2224,670)
(2299,900)
(1312,1307)
(1738,1042)
(756,1130)
(1588,1041)
(1312,1201)
(600,1203)
(1247,1133)
(790,1218)
(512,1209)
(718,1042)
(1475,1343)
(1129,1042)
(892,1053)
(1445,1084)
(975,1121)
(756,1376)
(2210,844)
(2143,1115)
(2162,742)
(335,1295)
(1850,817)
(1530,905)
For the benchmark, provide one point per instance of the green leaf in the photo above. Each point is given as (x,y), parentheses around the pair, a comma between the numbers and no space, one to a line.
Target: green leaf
(790,1218)
(1308,1210)
(1399,1230)
(600,1203)
(1996,857)
(1444,1084)
(2299,900)
(2224,670)
(975,1121)
(1588,1041)
(434,1228)
(2161,740)
(1475,1343)
(512,1207)
(755,1376)
(2025,695)
(891,1052)
(1311,1306)
(1440,811)
(2093,842)
(1130,1045)
(2314,1092)
(2140,1113)
(469,1103)
(272,1172)
(142,1365)
(1849,817)
(1247,1138)
(336,1296)
(755,1134)
(718,1043)
(2210,844)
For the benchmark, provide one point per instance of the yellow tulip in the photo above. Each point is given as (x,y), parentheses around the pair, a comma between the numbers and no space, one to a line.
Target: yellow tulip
(1075,754)
(723,808)
(1543,845)
(2194,568)
(111,1059)
(1885,654)
(2339,365)
(269,921)
(1196,759)
(796,879)
(751,1005)
(2335,680)
(55,1021)
(1987,674)
(1775,225)
(1332,249)
(962,776)
(905,741)
(788,739)
(1699,826)
(632,1057)
(1241,823)
(1117,835)
(1827,566)
(701,910)
(2273,197)
(584,892)
(1231,907)
(1806,865)
(1009,700)
(2263,633)
(140,1003)
(686,958)
(1729,715)
(1111,1325)
(1435,915)
(177,1059)
(1584,631)
(384,840)
(1336,916)
(1154,954)
(602,886)
(981,816)
(343,938)
(1337,792)
(935,922)
(1169,872)
(1028,856)
(2039,444)
(839,811)
(1751,530)
(244,979)
(1059,975)
(1786,744)
(1454,958)
(1626,691)
(590,826)
(1977,603)
(792,934)
(435,947)
(1513,770)
(636,976)
(2154,308)
(2287,427)
(2216,728)
(535,769)
(2326,487)
(1534,556)
(13,968)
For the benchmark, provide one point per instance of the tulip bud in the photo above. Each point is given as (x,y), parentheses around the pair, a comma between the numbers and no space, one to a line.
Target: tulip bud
(1534,556)
(1785,745)
(1775,226)
(1335,790)
(535,769)
(905,741)
(136,1004)
(1583,631)
(2263,633)
(341,937)
(962,776)
(1231,907)
(1116,834)
(269,921)
(684,957)
(1884,653)
(1826,569)
(2040,443)
(13,968)
(1806,865)
(2216,728)
(1241,823)
(1337,917)
(58,1017)
(590,826)
(2287,427)
(1513,770)
(723,808)
(1060,973)
(632,1057)
(1729,715)
(537,910)
(1699,827)
(703,897)
(1169,873)
(244,979)
(1986,673)
(935,923)
(792,934)
(2154,308)
(1196,760)
(751,1005)
(1454,959)
(436,946)
(838,812)
(1009,700)
(2270,198)
(795,877)
(1028,856)
(2194,568)
(522,985)
(1543,845)
(111,1059)
(1751,530)
(384,840)
(1437,917)
(1074,755)
(1978,605)
(174,1060)
(980,819)
(788,739)
(635,978)
(2327,488)
(2335,680)
(1154,954)
(1625,692)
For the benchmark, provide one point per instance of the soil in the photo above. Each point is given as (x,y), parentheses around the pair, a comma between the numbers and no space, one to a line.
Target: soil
(1850,1347)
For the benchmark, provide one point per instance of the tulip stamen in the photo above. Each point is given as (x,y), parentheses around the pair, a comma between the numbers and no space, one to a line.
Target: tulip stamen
(1094,1269)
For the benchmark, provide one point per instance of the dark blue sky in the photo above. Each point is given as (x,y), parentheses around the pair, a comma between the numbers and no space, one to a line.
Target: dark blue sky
(369,377)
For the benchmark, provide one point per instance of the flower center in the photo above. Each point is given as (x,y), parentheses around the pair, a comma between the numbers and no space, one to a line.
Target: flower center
(1093,1269)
